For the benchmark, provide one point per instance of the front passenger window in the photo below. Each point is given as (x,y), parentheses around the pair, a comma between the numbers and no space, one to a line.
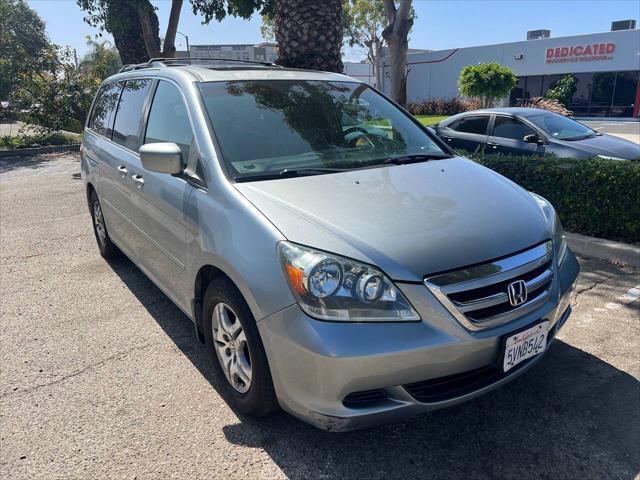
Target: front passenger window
(168,119)
(507,127)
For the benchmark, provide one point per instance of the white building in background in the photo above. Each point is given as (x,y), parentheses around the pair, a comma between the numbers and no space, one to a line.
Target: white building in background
(261,52)
(362,71)
(606,67)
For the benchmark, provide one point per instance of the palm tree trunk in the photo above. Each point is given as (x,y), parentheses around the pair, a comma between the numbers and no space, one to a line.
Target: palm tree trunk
(309,34)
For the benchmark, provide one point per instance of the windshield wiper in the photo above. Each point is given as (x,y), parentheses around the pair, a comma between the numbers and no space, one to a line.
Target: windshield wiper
(298,172)
(421,157)
(583,137)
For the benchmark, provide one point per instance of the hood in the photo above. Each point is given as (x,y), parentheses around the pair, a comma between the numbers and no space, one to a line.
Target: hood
(609,146)
(409,220)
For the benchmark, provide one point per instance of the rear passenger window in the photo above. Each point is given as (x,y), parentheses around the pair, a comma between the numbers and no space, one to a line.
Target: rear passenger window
(127,125)
(472,125)
(168,119)
(104,108)
(507,127)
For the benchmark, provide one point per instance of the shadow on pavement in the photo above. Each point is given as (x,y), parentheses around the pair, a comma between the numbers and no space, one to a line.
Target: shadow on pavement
(8,164)
(570,416)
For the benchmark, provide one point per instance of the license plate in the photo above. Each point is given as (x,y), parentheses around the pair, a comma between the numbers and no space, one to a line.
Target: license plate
(525,344)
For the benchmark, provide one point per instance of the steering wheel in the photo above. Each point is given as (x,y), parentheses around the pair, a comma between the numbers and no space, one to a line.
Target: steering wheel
(365,135)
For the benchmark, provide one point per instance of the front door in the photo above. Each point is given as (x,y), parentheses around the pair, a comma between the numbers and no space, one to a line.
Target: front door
(508,135)
(159,199)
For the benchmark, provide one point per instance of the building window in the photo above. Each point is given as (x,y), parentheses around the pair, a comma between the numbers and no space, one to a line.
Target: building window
(599,94)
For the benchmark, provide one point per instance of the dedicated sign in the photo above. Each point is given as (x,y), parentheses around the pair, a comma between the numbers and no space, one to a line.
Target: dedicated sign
(581,53)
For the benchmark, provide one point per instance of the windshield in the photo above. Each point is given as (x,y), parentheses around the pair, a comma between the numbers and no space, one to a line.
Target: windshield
(559,127)
(265,127)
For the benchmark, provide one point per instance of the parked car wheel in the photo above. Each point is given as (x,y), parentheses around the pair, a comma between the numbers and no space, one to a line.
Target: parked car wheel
(105,245)
(236,350)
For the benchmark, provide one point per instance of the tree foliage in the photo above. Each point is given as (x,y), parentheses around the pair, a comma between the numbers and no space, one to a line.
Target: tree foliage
(102,60)
(24,46)
(134,26)
(120,18)
(57,99)
(219,9)
(562,90)
(486,81)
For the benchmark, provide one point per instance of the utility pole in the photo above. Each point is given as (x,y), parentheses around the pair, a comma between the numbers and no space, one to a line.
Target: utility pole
(186,37)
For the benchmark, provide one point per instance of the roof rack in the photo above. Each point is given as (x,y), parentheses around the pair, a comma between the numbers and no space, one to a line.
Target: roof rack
(167,62)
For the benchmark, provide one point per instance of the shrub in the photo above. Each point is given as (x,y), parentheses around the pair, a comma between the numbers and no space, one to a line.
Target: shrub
(594,197)
(548,104)
(440,106)
(486,81)
(562,90)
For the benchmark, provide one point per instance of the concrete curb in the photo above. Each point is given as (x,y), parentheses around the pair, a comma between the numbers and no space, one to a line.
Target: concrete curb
(604,249)
(25,152)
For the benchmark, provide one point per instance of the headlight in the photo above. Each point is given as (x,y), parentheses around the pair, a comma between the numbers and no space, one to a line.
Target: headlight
(330,287)
(559,238)
(606,157)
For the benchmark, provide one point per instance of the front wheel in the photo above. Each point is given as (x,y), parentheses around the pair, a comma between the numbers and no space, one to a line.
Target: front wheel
(236,349)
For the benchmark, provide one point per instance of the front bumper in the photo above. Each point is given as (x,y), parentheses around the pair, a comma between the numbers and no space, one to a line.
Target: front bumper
(315,365)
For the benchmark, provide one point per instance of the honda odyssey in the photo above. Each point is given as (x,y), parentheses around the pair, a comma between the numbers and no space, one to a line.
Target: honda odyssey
(337,259)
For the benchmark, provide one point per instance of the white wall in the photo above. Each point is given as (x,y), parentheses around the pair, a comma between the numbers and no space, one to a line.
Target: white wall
(360,71)
(435,74)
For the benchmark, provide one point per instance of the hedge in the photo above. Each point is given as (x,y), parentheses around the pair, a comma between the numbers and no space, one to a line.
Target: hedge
(596,197)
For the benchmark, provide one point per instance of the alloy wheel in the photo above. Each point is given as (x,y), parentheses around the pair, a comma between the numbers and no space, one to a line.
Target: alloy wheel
(231,347)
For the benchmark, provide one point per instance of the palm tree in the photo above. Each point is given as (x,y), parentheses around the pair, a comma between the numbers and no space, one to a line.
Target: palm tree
(309,34)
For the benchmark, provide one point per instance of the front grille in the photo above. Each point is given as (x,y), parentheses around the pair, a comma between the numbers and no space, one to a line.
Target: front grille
(478,295)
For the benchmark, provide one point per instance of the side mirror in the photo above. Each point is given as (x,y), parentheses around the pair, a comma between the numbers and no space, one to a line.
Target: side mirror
(161,157)
(532,138)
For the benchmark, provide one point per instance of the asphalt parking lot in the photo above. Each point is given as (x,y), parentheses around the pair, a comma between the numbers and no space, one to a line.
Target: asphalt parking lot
(100,376)
(628,130)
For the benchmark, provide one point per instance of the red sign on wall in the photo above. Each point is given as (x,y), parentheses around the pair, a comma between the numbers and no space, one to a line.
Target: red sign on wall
(581,53)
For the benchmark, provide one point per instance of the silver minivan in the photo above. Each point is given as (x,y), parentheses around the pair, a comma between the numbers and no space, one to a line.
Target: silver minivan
(337,259)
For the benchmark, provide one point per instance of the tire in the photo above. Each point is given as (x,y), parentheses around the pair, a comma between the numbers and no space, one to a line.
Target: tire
(233,318)
(105,245)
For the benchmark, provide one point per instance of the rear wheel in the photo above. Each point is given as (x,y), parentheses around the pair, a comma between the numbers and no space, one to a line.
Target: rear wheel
(105,245)
(236,349)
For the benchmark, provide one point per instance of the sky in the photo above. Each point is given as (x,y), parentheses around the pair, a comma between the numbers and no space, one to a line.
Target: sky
(440,24)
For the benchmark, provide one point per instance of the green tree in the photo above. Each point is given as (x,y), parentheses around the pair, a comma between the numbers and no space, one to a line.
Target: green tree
(102,60)
(365,21)
(24,45)
(134,26)
(562,90)
(55,100)
(487,82)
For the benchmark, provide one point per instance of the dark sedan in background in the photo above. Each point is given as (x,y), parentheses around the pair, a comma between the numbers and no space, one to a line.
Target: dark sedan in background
(530,131)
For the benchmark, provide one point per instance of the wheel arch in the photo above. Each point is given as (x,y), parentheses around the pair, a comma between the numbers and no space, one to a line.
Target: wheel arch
(206,274)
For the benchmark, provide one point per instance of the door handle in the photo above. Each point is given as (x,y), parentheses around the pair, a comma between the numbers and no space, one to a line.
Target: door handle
(122,169)
(493,145)
(138,179)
